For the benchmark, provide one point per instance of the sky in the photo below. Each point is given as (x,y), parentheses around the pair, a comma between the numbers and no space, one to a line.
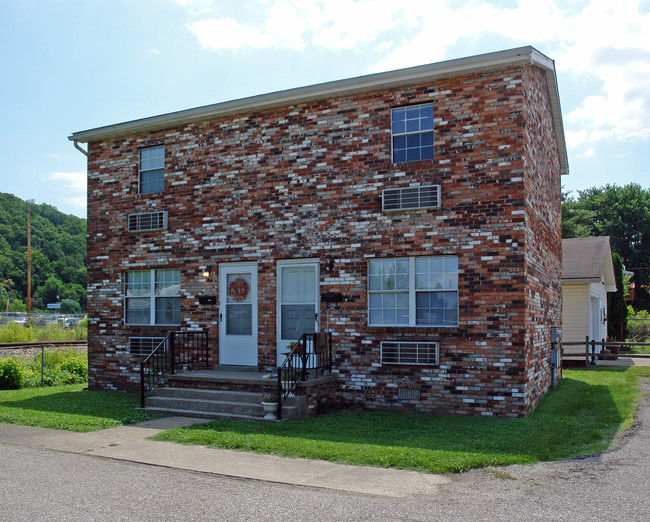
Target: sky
(72,65)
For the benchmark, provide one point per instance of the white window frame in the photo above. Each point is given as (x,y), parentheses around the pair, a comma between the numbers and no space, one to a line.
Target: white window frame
(412,294)
(152,296)
(406,133)
(142,170)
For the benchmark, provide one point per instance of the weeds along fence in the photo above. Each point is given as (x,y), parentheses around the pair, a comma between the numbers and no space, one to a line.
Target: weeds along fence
(30,350)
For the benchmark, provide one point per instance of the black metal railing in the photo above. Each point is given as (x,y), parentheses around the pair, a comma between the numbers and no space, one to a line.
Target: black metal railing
(310,356)
(177,351)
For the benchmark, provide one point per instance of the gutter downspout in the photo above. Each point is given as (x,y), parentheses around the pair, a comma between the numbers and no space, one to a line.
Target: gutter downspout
(79,148)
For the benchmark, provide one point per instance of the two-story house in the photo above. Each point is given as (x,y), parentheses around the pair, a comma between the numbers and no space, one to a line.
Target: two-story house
(428,197)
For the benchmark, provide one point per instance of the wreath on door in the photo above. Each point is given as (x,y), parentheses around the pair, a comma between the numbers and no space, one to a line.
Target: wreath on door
(238,289)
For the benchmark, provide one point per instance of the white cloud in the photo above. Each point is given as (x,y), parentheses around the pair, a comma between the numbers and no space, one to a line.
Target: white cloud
(589,153)
(227,33)
(70,181)
(294,24)
(600,45)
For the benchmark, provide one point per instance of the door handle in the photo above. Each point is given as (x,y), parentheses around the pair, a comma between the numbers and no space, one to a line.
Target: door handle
(316,316)
(220,317)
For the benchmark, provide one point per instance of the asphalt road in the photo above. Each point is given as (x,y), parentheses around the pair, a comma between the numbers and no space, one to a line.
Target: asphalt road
(50,485)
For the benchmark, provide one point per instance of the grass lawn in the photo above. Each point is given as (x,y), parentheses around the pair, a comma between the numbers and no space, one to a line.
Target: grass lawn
(70,408)
(639,349)
(581,415)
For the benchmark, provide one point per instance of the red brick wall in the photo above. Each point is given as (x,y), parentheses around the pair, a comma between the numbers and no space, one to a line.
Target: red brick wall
(544,235)
(305,182)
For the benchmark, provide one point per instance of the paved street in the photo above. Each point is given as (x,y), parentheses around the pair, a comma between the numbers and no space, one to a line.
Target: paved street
(41,479)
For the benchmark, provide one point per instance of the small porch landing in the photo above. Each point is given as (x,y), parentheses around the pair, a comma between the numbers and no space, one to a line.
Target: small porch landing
(234,392)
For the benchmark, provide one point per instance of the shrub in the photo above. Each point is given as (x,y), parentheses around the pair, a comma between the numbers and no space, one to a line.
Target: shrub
(76,364)
(11,374)
(638,324)
(59,367)
(16,333)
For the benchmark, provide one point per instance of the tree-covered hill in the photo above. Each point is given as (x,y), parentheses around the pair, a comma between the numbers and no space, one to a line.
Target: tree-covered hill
(58,256)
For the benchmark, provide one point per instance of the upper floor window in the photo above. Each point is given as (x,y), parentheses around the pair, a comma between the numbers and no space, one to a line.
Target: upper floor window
(412,130)
(153,296)
(413,291)
(152,170)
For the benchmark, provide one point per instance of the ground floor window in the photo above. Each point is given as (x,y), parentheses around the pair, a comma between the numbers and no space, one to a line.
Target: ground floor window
(153,296)
(413,291)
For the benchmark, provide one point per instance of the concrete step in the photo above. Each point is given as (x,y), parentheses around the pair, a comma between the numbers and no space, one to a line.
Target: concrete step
(219,403)
(184,403)
(202,414)
(209,394)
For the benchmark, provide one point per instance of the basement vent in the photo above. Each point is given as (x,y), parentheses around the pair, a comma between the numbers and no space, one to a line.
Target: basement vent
(148,221)
(143,345)
(409,394)
(409,352)
(406,198)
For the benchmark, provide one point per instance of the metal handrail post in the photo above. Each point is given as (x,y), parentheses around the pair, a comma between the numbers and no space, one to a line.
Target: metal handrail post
(278,412)
(329,334)
(172,351)
(142,386)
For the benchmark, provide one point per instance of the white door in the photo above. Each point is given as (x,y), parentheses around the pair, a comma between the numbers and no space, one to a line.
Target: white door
(238,314)
(298,302)
(595,329)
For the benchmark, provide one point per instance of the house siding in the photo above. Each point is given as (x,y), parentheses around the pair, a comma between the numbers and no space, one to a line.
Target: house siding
(305,181)
(575,315)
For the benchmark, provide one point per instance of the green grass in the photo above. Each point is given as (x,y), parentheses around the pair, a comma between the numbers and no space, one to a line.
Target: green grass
(639,349)
(581,415)
(70,408)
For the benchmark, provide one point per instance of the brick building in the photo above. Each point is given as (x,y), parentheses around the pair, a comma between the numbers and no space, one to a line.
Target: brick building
(428,197)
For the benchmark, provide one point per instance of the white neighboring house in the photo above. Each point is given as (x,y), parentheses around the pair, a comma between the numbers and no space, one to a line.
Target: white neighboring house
(587,276)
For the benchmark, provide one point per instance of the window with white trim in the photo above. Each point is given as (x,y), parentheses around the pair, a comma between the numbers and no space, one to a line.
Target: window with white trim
(152,170)
(412,132)
(413,291)
(153,296)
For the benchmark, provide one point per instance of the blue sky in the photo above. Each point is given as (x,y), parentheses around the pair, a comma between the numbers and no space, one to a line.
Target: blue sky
(71,65)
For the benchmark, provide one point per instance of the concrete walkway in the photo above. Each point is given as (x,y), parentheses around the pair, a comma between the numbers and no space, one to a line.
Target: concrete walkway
(625,361)
(130,443)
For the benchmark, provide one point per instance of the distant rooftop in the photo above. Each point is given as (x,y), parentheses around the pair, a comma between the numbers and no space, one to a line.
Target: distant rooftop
(588,259)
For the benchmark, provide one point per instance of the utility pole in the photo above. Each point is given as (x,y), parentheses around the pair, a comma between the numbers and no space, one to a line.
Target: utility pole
(30,202)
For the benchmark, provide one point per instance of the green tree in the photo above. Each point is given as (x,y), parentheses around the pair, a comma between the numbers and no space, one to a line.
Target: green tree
(576,221)
(616,307)
(50,292)
(70,306)
(75,292)
(623,213)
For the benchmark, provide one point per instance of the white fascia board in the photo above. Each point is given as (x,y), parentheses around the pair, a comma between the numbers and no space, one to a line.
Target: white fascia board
(581,280)
(409,76)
